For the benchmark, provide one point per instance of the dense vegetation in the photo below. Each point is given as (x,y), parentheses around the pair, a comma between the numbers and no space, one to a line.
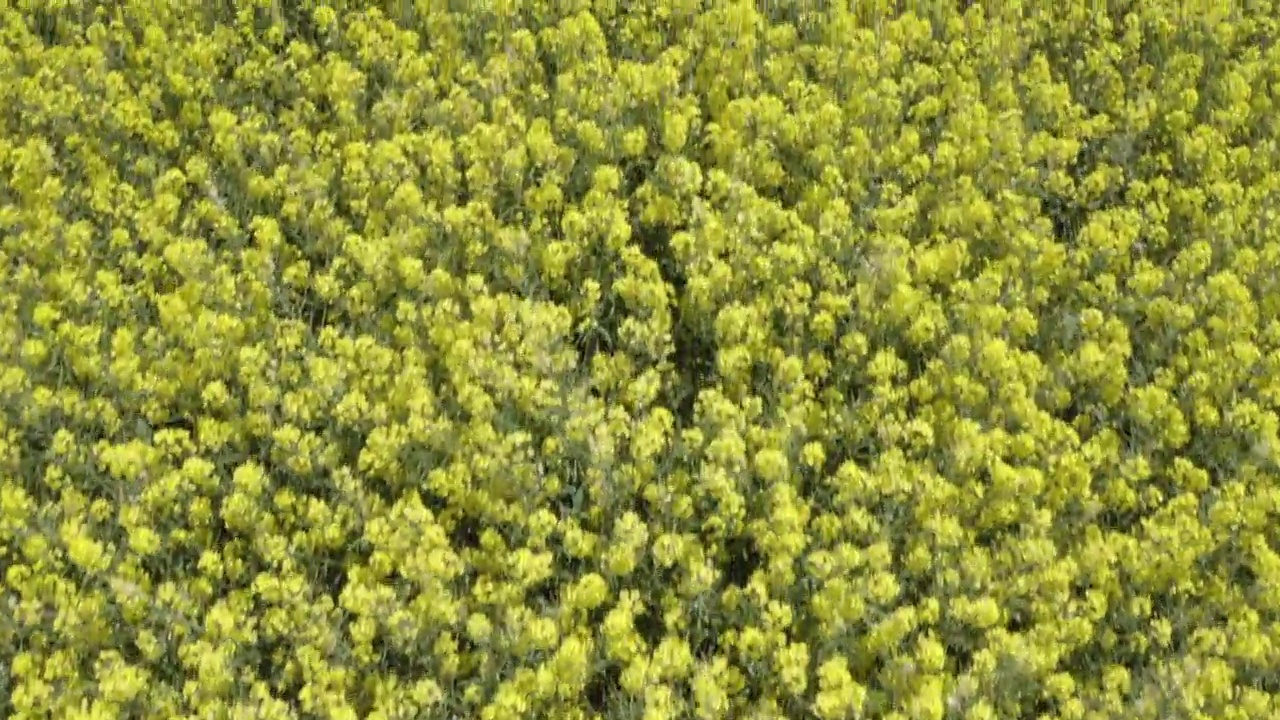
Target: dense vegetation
(639,360)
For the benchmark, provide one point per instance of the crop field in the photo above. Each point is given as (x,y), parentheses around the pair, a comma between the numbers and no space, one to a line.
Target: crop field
(648,360)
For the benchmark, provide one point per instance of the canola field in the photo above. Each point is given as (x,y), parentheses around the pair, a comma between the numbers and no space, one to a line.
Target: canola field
(648,360)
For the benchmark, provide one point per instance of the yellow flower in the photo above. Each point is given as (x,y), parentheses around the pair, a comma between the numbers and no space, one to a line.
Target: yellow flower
(660,703)
(589,592)
(711,701)
(479,628)
(571,665)
(792,661)
(672,659)
(636,676)
(88,554)
(772,466)
(623,643)
(838,695)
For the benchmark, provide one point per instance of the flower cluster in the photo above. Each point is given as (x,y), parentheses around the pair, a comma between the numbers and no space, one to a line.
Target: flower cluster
(664,359)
